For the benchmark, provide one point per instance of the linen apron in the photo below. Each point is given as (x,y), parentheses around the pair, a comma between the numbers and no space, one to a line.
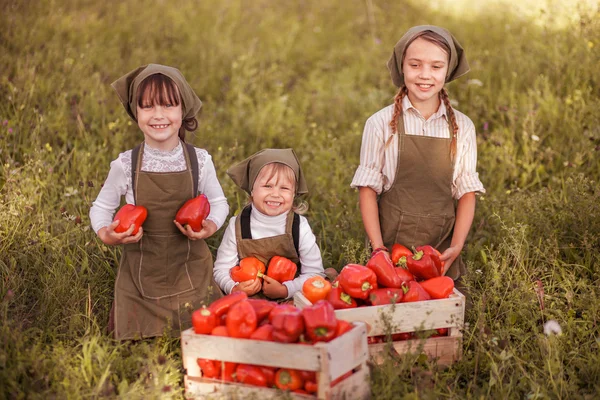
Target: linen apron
(266,248)
(164,275)
(419,209)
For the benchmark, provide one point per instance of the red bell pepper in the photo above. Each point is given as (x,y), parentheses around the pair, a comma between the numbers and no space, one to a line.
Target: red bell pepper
(249,269)
(343,327)
(404,275)
(281,269)
(221,306)
(310,381)
(440,287)
(402,336)
(320,321)
(379,297)
(250,375)
(288,379)
(193,212)
(130,214)
(228,371)
(381,264)
(241,320)
(358,281)
(262,308)
(287,326)
(281,308)
(311,387)
(435,255)
(210,368)
(413,291)
(220,330)
(400,254)
(269,373)
(264,332)
(204,321)
(316,288)
(423,266)
(339,299)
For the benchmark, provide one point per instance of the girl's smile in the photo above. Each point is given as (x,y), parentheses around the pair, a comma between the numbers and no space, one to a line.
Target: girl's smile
(160,124)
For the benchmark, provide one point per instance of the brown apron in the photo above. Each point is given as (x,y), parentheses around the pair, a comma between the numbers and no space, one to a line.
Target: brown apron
(266,248)
(165,273)
(419,209)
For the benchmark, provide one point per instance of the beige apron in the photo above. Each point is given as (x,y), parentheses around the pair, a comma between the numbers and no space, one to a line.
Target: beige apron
(165,272)
(419,209)
(266,248)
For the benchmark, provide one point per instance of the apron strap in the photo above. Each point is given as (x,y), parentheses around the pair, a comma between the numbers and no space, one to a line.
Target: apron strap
(194,164)
(135,152)
(296,233)
(247,233)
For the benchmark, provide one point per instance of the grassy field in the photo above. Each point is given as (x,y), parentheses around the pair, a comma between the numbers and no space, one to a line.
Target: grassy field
(304,74)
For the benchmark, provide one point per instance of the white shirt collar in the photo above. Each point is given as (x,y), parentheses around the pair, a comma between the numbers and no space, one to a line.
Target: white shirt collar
(267,219)
(407,105)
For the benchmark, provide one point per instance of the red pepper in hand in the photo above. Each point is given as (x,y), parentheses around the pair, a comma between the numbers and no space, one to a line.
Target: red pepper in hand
(250,375)
(262,308)
(404,275)
(287,326)
(204,321)
(423,266)
(210,368)
(222,305)
(281,269)
(193,212)
(358,281)
(440,287)
(249,269)
(320,321)
(343,327)
(400,255)
(264,332)
(241,320)
(288,379)
(379,297)
(316,288)
(381,264)
(435,255)
(130,214)
(339,299)
(414,292)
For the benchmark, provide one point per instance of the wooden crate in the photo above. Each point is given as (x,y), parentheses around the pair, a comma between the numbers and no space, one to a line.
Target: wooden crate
(411,317)
(331,360)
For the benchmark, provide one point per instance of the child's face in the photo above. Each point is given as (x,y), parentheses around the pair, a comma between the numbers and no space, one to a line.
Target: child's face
(425,66)
(274,190)
(160,124)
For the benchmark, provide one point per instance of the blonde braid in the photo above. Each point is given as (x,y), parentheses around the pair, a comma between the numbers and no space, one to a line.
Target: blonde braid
(397,113)
(451,121)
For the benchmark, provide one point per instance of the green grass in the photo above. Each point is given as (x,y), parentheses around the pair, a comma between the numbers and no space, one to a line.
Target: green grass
(307,75)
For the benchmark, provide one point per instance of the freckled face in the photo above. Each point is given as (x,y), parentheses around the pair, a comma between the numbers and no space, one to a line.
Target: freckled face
(273,194)
(425,67)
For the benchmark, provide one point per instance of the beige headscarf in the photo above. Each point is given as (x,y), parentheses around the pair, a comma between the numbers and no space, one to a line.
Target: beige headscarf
(457,67)
(127,86)
(245,172)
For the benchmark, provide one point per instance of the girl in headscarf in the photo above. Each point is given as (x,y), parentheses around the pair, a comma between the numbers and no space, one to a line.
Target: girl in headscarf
(165,268)
(417,176)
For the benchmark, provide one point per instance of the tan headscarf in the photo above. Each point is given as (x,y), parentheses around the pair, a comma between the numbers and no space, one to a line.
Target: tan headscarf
(245,172)
(127,86)
(457,67)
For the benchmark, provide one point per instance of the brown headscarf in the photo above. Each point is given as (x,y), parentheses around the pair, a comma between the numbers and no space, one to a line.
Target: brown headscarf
(245,172)
(127,86)
(457,67)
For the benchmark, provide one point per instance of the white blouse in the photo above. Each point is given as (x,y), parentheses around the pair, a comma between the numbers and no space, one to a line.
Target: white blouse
(119,184)
(377,168)
(262,226)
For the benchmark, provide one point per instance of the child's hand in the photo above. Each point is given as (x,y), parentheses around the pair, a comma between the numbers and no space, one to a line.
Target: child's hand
(250,287)
(208,229)
(111,238)
(273,289)
(449,256)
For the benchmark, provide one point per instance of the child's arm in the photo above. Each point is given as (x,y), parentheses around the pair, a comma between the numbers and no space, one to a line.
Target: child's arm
(464,218)
(369,210)
(310,259)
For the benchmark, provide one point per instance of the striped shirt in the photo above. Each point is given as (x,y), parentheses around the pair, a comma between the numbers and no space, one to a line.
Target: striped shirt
(377,168)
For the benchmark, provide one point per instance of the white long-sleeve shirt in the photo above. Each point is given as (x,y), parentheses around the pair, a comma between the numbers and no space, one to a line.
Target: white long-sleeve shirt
(262,226)
(119,184)
(377,168)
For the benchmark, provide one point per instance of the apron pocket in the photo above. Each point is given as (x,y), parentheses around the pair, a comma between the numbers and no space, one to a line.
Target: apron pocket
(163,269)
(420,229)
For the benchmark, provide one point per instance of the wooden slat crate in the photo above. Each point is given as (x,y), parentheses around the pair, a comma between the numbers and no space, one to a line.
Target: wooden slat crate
(331,360)
(411,317)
